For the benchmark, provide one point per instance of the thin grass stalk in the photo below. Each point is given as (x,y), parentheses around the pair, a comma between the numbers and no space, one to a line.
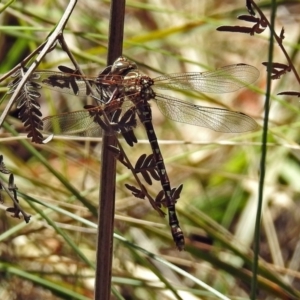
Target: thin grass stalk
(37,154)
(48,45)
(108,171)
(263,159)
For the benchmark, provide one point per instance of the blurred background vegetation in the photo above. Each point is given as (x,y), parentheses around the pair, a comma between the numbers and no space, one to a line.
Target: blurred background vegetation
(220,172)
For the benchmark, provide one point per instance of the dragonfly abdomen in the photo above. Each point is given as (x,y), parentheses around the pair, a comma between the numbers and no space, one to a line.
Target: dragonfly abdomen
(145,115)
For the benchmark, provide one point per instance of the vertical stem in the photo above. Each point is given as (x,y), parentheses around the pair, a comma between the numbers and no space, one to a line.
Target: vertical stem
(263,160)
(108,171)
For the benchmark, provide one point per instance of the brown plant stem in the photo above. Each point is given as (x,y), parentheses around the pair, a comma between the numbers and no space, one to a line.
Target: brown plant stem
(108,171)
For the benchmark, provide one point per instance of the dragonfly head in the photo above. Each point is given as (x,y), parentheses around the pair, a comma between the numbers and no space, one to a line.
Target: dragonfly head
(122,66)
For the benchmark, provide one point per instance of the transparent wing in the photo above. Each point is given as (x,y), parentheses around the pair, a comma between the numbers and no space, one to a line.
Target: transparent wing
(217,119)
(224,80)
(102,86)
(65,83)
(90,122)
(76,123)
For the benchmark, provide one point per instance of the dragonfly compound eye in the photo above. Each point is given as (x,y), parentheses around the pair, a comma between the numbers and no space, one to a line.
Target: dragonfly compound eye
(122,66)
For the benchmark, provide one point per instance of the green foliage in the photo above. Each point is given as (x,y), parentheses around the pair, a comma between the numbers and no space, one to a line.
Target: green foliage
(53,256)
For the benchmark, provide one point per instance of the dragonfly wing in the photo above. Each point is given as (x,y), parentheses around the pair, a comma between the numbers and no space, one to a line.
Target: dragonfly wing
(217,119)
(67,83)
(76,123)
(223,80)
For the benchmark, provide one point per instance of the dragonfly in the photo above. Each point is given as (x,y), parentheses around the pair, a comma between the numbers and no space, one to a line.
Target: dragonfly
(123,85)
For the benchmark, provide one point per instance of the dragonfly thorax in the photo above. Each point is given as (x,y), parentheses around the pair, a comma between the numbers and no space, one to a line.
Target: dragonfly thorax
(146,92)
(138,86)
